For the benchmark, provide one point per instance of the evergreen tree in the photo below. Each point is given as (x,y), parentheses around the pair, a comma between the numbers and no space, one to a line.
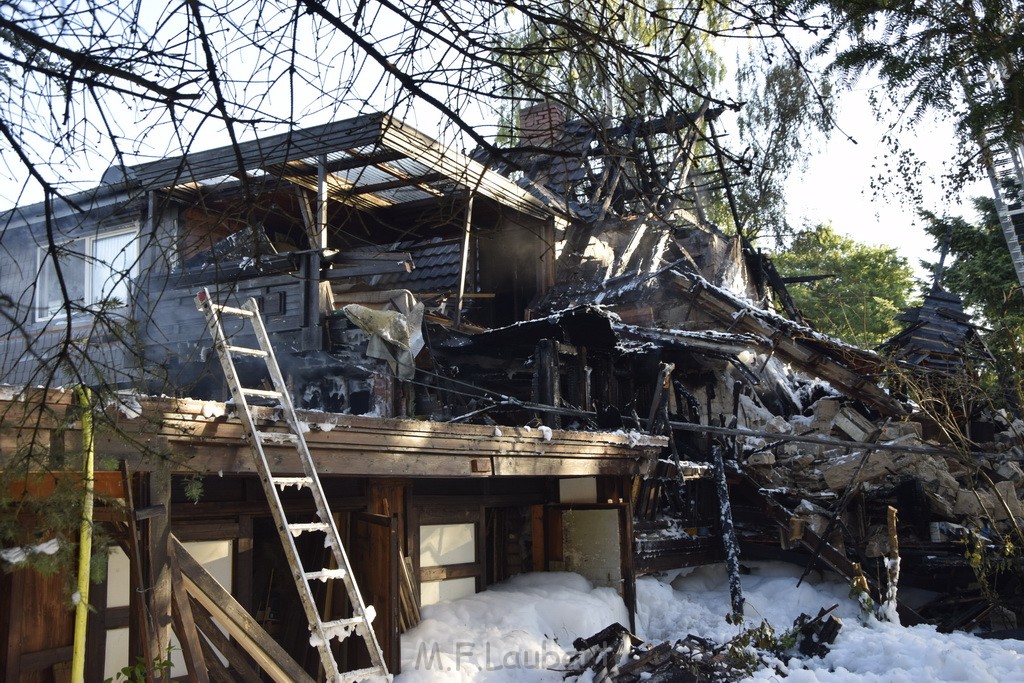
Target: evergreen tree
(982,275)
(961,60)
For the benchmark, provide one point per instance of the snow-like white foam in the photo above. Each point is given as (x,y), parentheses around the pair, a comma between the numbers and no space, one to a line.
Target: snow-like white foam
(522,630)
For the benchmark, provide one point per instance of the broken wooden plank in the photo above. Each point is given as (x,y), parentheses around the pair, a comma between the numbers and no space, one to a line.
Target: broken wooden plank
(240,625)
(852,381)
(218,672)
(185,626)
(409,593)
(236,659)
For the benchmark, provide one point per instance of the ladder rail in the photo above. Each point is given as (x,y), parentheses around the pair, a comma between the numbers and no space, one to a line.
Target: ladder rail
(1003,159)
(362,622)
(288,408)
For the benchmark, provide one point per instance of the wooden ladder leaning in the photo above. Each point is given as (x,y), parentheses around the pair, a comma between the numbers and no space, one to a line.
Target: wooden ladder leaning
(321,632)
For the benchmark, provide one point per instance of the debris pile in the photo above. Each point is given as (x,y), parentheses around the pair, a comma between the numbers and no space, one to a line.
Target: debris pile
(614,655)
(938,487)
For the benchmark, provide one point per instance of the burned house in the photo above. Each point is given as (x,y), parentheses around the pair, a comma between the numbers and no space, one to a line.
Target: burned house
(544,359)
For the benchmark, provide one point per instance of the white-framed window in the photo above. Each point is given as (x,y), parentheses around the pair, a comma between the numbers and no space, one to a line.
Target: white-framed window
(97,271)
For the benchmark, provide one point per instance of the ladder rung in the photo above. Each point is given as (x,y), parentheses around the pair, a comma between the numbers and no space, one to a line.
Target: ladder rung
(261,393)
(245,351)
(277,438)
(231,310)
(326,574)
(285,482)
(340,628)
(374,673)
(297,529)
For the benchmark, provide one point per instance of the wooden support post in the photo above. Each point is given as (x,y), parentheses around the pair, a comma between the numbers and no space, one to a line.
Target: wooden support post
(377,574)
(309,216)
(242,579)
(537,538)
(140,624)
(732,548)
(320,238)
(584,378)
(546,377)
(628,571)
(158,564)
(892,570)
(394,639)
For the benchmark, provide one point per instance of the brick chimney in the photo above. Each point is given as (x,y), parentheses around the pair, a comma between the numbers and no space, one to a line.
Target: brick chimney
(541,124)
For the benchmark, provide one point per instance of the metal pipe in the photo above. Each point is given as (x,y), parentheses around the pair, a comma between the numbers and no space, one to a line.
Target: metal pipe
(85,538)
(321,202)
(465,264)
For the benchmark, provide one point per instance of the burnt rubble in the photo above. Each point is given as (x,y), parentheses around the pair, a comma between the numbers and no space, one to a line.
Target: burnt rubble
(648,317)
(667,326)
(614,655)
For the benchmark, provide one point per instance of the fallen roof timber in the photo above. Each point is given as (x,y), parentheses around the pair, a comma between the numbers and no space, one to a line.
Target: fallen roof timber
(200,436)
(811,356)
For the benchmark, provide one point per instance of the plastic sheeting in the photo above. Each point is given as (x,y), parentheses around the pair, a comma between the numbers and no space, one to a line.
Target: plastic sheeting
(395,328)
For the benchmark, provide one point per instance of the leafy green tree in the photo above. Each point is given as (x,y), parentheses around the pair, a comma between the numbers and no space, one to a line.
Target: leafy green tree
(866,288)
(782,106)
(983,275)
(554,60)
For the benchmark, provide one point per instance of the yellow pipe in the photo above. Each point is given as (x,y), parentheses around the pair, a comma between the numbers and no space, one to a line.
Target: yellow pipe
(85,540)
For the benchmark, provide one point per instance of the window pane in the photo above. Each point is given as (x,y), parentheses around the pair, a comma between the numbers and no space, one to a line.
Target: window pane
(113,265)
(72,264)
(433,592)
(442,544)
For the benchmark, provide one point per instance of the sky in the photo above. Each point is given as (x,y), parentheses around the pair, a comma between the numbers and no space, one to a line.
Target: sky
(836,187)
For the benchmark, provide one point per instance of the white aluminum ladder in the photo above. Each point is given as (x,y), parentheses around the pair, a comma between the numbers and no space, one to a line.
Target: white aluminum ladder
(321,632)
(1005,165)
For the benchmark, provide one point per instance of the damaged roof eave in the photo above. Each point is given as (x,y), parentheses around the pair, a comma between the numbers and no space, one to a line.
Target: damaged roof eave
(812,356)
(283,155)
(199,436)
(719,343)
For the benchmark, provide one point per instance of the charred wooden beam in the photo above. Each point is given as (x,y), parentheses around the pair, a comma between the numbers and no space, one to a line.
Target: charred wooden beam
(548,379)
(829,554)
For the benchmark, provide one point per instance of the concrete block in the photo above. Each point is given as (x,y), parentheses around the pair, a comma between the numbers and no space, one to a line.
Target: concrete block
(854,425)
(897,430)
(1010,471)
(839,473)
(766,458)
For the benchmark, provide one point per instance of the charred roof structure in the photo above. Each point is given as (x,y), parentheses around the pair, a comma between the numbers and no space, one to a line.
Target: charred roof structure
(541,358)
(938,336)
